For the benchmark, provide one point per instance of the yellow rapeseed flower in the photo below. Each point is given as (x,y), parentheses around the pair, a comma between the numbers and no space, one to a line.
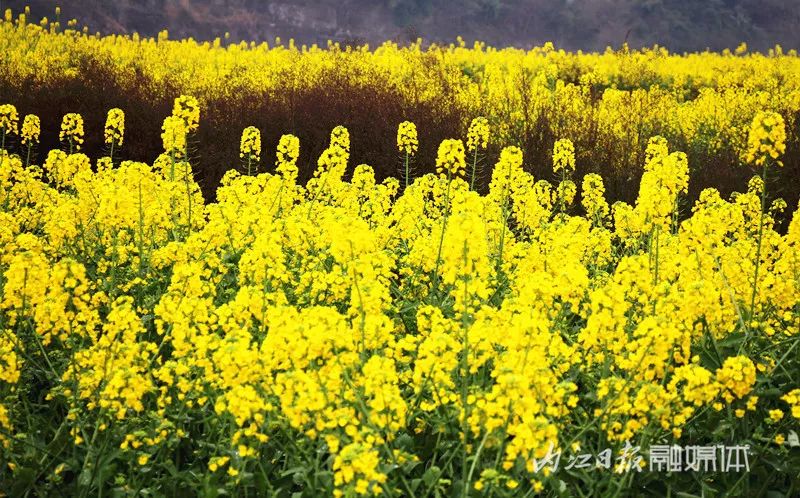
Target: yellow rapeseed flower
(173,136)
(114,130)
(187,109)
(450,158)
(563,156)
(478,134)
(31,128)
(9,119)
(766,139)
(407,138)
(72,131)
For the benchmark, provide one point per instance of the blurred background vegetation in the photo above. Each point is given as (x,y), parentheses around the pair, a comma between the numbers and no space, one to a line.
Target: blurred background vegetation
(679,25)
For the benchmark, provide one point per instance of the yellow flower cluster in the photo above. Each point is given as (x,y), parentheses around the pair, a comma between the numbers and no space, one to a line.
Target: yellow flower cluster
(407,138)
(10,368)
(478,134)
(287,155)
(72,131)
(62,168)
(31,129)
(115,128)
(250,146)
(113,374)
(356,467)
(187,108)
(563,156)
(9,119)
(737,376)
(565,192)
(450,158)
(505,175)
(793,399)
(174,135)
(665,179)
(593,199)
(766,139)
(340,138)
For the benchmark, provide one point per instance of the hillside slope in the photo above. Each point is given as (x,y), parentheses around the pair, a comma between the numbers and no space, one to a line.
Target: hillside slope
(680,25)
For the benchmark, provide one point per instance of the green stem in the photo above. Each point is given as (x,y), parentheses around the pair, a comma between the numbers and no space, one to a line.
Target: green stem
(474,167)
(758,246)
(188,190)
(141,231)
(465,385)
(474,462)
(406,168)
(362,313)
(444,227)
(655,275)
(504,216)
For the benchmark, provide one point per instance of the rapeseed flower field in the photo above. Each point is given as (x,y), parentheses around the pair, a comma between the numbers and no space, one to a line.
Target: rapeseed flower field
(352,335)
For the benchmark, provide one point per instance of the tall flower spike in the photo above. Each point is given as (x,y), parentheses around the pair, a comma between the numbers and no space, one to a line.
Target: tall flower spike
(288,150)
(566,191)
(767,139)
(340,137)
(478,134)
(173,136)
(594,201)
(507,170)
(477,138)
(31,128)
(407,138)
(115,128)
(564,156)
(657,147)
(187,108)
(450,158)
(250,147)
(407,144)
(9,119)
(72,130)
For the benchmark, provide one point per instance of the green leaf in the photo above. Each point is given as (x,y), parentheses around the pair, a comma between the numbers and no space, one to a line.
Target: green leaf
(731,341)
(85,477)
(431,476)
(793,441)
(770,393)
(23,481)
(404,441)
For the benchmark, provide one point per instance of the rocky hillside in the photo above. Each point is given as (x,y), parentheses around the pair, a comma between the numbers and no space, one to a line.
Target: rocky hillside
(681,25)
